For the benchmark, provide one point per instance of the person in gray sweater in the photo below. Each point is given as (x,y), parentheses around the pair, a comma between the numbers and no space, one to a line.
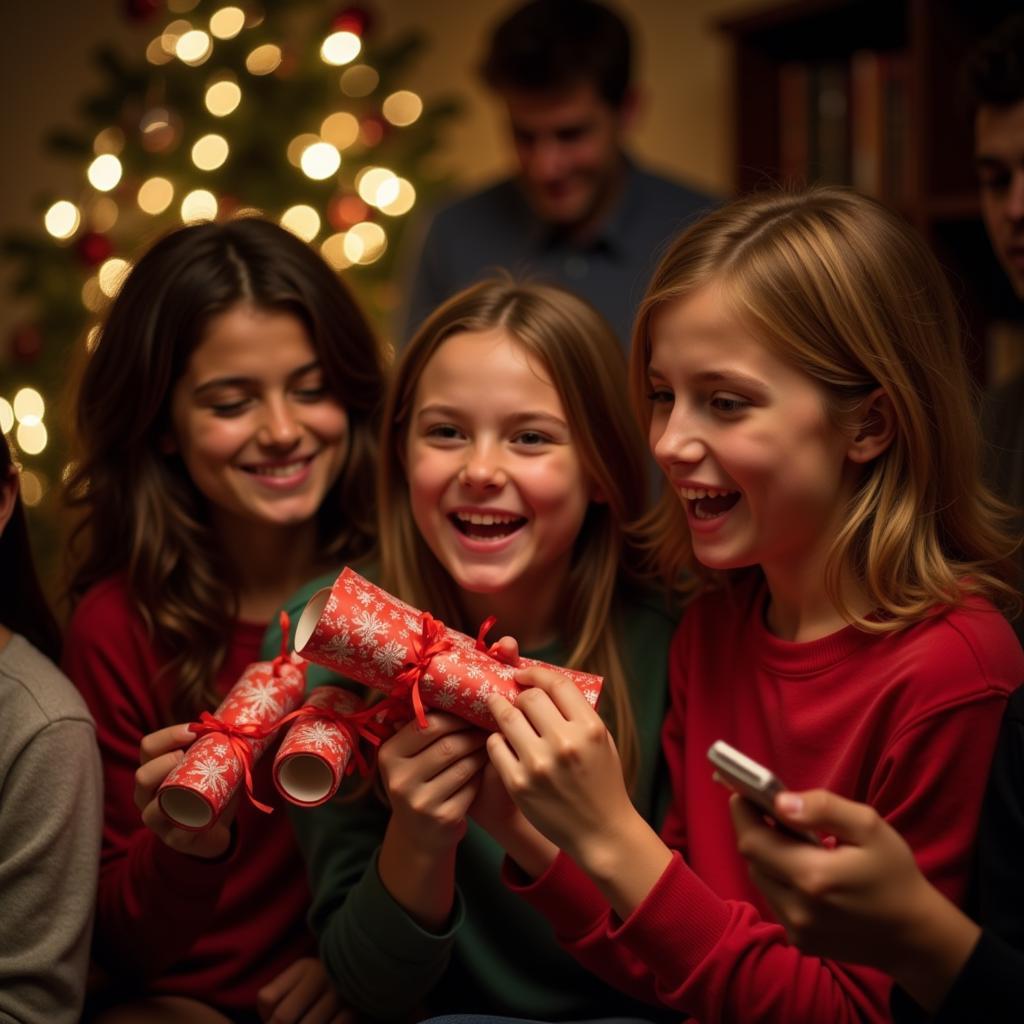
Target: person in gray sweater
(50,795)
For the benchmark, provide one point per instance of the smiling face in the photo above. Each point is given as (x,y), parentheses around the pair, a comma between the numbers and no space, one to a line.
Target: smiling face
(496,485)
(252,421)
(569,149)
(745,440)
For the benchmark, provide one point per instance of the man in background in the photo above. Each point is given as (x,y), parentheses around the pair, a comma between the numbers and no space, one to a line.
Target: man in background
(995,75)
(578,212)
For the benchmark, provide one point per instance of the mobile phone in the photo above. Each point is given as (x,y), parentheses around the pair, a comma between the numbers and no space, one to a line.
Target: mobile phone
(753,782)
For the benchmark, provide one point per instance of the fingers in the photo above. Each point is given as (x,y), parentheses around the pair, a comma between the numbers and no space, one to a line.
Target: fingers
(507,650)
(161,742)
(564,695)
(411,739)
(772,852)
(301,994)
(819,809)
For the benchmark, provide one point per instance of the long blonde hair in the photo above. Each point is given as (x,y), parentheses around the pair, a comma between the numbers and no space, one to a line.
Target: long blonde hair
(843,290)
(585,363)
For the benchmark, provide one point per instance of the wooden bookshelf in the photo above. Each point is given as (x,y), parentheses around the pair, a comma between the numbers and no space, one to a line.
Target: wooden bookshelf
(868,93)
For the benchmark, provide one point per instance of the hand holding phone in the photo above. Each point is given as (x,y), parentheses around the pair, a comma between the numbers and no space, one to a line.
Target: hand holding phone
(753,782)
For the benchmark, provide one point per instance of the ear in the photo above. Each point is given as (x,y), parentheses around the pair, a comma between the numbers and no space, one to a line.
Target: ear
(875,427)
(8,496)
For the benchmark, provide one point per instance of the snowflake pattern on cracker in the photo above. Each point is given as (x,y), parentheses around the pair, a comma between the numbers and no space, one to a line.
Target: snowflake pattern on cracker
(197,790)
(380,635)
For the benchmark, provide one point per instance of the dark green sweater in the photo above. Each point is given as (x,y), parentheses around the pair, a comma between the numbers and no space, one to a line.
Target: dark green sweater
(498,955)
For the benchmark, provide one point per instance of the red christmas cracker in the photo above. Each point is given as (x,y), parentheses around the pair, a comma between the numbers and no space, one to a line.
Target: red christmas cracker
(322,745)
(366,634)
(230,742)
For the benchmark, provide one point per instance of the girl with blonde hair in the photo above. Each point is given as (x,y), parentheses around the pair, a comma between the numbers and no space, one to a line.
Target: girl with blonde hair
(798,366)
(511,470)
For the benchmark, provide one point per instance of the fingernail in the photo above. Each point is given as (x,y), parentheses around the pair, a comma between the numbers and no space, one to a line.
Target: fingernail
(789,803)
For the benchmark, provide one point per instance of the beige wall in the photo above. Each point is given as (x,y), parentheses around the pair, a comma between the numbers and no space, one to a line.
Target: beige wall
(684,125)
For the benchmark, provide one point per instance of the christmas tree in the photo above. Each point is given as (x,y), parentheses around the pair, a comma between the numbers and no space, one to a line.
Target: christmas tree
(290,109)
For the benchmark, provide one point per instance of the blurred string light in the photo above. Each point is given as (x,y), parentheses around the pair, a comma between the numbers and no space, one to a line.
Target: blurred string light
(340,129)
(320,161)
(33,486)
(402,108)
(104,172)
(396,197)
(227,22)
(92,295)
(92,339)
(263,60)
(364,243)
(103,213)
(193,47)
(111,275)
(222,97)
(210,152)
(110,140)
(333,250)
(198,205)
(155,195)
(340,48)
(298,146)
(62,219)
(29,408)
(6,416)
(302,220)
(156,54)
(171,34)
(359,80)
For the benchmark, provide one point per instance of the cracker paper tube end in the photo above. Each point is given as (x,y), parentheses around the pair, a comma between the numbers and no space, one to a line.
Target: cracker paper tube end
(185,808)
(310,616)
(305,779)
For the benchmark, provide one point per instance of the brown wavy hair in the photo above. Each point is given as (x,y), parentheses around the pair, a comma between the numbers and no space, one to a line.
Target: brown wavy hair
(23,605)
(138,511)
(573,342)
(843,290)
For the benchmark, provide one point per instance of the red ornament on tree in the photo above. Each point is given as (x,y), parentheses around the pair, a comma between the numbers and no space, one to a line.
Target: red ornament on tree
(93,248)
(141,10)
(355,19)
(26,343)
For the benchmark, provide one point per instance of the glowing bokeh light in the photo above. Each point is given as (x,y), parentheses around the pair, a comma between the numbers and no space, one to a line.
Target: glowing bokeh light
(222,98)
(402,108)
(92,339)
(104,172)
(31,437)
(92,298)
(155,52)
(359,80)
(110,140)
(155,195)
(227,22)
(103,213)
(404,200)
(111,275)
(264,59)
(6,416)
(365,242)
(198,205)
(194,47)
(320,161)
(298,146)
(62,219)
(340,129)
(333,250)
(170,36)
(32,488)
(301,220)
(29,406)
(210,152)
(369,182)
(340,48)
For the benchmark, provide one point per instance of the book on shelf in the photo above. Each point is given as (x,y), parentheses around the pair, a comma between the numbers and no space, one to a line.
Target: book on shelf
(845,122)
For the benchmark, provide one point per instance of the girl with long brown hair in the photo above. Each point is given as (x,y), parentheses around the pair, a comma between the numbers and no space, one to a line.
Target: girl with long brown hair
(798,366)
(226,428)
(511,472)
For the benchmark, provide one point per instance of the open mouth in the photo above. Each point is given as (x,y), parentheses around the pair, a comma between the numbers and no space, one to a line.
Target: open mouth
(709,503)
(280,470)
(487,525)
